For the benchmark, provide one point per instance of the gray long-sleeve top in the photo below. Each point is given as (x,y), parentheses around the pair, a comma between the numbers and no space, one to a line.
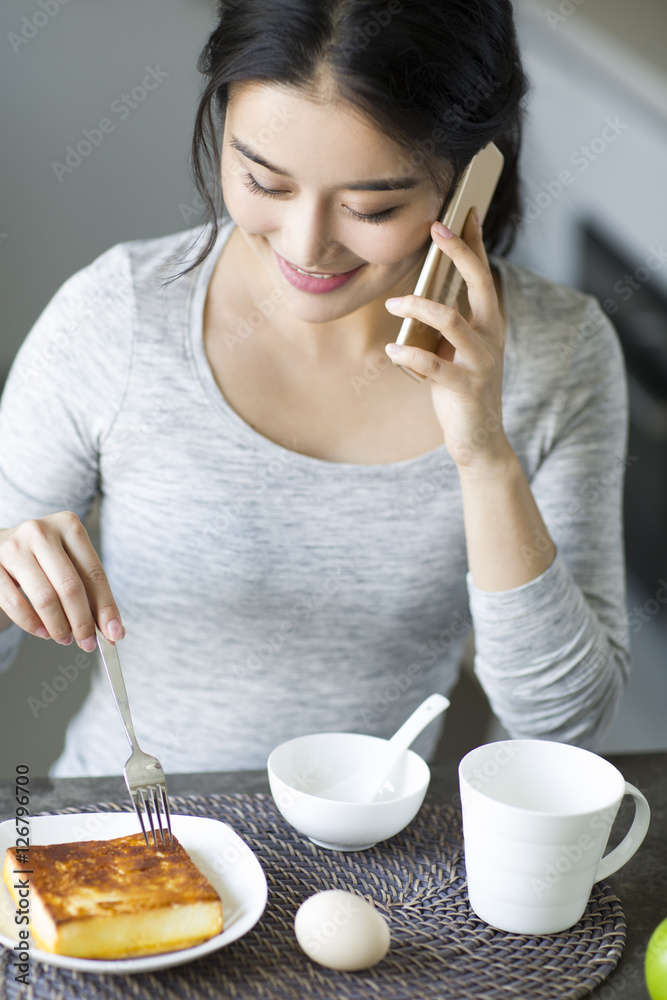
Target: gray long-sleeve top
(267,593)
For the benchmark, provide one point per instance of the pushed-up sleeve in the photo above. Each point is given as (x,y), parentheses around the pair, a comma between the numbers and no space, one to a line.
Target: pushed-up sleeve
(553,654)
(62,394)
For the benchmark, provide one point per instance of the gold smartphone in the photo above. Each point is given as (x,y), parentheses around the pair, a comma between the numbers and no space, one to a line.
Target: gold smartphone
(439,279)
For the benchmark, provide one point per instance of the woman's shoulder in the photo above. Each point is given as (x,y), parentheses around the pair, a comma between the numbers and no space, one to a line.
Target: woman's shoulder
(156,260)
(531,292)
(564,361)
(553,322)
(146,265)
(124,267)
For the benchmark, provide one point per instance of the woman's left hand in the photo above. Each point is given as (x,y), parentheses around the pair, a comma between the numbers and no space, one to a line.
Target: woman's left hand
(466,373)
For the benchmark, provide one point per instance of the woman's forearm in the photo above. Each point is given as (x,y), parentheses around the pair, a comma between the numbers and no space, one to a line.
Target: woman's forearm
(507,541)
(549,666)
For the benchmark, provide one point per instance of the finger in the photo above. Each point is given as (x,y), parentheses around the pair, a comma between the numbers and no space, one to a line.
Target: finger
(101,605)
(35,583)
(425,362)
(475,272)
(52,583)
(68,611)
(18,608)
(446,319)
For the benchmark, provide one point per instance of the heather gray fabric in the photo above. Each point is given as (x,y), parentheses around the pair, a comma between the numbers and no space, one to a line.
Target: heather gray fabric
(267,593)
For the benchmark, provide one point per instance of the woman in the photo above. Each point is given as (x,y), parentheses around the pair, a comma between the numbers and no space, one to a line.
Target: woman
(297,536)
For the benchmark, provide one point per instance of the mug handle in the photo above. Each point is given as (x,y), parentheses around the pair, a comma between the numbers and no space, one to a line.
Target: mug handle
(633,838)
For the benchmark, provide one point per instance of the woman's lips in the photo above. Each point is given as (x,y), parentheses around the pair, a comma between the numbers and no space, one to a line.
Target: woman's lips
(306,283)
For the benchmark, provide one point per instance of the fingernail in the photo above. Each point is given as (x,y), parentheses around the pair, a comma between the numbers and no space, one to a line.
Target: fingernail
(478,218)
(67,641)
(393,349)
(42,632)
(115,629)
(88,645)
(443,230)
(393,303)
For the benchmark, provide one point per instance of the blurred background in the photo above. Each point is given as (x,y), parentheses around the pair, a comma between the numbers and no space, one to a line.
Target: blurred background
(594,168)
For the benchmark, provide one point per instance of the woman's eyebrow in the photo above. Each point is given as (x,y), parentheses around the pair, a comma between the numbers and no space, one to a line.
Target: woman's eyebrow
(391,184)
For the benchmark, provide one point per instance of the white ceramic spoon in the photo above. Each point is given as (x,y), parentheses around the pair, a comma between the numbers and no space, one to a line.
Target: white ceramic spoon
(363,785)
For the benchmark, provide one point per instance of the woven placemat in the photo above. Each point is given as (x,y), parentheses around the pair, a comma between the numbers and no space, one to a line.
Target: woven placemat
(439,949)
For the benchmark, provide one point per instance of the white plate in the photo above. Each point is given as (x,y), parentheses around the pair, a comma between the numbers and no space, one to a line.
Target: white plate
(225,859)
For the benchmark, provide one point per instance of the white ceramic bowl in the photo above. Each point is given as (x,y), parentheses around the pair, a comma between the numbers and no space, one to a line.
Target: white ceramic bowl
(300,768)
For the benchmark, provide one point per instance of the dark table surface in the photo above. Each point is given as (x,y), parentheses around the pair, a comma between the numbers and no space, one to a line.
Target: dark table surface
(641,885)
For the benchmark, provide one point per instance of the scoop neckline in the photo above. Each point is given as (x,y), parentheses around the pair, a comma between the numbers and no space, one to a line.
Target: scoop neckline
(224,408)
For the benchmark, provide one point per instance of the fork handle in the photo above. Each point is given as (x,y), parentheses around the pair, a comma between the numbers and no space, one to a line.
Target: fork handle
(117,682)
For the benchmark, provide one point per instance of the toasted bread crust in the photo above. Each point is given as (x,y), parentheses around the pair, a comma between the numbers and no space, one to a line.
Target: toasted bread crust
(105,878)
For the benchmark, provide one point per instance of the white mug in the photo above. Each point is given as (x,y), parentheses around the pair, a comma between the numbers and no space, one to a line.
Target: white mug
(536,820)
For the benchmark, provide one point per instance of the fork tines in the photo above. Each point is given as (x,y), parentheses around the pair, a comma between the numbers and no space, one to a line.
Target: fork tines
(147,798)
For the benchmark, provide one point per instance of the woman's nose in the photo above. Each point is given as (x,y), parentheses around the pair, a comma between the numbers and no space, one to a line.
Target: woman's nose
(310,240)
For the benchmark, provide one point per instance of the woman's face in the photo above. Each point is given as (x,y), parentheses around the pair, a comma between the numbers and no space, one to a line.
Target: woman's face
(314,218)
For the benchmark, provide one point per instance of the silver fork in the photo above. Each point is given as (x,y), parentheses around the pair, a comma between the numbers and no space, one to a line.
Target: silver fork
(144,776)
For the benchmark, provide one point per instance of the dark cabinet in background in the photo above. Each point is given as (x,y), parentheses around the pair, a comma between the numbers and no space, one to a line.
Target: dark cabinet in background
(638,310)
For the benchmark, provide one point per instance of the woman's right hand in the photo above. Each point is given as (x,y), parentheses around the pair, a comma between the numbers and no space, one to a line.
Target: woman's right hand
(66,589)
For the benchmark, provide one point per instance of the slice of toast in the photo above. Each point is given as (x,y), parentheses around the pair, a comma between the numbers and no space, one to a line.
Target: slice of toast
(114,898)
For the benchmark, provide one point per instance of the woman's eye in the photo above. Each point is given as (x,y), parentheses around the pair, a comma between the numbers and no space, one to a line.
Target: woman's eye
(251,183)
(377,217)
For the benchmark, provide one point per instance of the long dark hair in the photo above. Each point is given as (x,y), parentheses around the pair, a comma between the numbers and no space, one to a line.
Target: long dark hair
(442,78)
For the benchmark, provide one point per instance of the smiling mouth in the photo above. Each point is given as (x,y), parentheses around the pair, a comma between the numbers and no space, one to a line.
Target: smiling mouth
(315,274)
(321,274)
